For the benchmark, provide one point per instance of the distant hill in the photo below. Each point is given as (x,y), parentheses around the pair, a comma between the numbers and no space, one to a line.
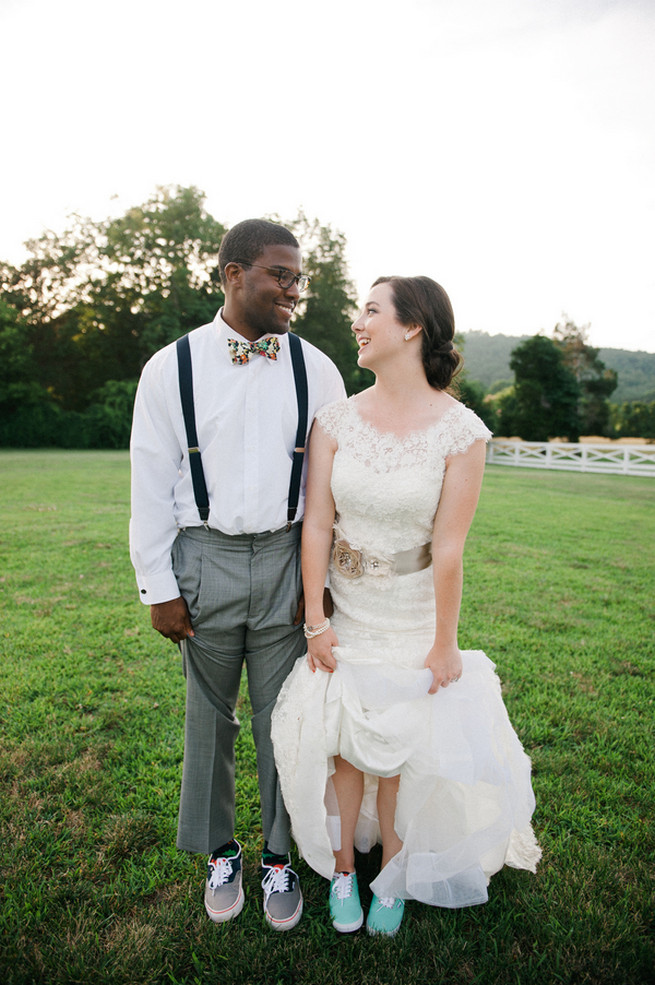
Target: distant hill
(486,359)
(636,374)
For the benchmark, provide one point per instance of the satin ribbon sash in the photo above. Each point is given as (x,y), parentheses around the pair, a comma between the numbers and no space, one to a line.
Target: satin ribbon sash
(352,562)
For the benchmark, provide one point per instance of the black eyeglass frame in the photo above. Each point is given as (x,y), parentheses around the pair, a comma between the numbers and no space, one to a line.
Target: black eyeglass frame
(302,280)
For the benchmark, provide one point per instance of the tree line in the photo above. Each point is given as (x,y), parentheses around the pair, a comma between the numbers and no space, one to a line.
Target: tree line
(562,389)
(81,316)
(487,361)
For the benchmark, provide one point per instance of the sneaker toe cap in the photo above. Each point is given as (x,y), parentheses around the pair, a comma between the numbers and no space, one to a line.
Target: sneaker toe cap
(283,910)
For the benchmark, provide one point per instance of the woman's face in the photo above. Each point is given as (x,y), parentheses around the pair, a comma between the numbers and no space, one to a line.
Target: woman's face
(377,330)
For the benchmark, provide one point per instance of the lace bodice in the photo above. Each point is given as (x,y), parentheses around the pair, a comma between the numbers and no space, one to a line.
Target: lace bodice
(386,488)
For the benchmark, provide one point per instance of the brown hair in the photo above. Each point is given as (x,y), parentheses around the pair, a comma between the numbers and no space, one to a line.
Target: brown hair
(421,301)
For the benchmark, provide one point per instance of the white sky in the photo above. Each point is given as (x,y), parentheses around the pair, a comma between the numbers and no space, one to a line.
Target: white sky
(504,147)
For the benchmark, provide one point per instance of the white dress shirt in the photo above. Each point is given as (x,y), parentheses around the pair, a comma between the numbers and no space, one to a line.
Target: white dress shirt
(246,419)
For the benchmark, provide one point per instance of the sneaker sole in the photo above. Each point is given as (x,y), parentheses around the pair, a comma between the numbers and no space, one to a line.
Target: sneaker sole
(372,932)
(287,924)
(220,916)
(382,933)
(348,928)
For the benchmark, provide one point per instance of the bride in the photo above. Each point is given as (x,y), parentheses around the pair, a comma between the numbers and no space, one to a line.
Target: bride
(386,731)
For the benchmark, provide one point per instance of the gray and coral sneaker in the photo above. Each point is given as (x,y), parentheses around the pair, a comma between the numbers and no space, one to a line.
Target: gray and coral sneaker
(223,889)
(282,896)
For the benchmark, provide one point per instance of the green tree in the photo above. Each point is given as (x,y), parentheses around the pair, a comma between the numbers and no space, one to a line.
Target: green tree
(544,400)
(29,417)
(107,421)
(596,382)
(326,315)
(164,271)
(470,391)
(19,386)
(100,298)
(90,306)
(634,419)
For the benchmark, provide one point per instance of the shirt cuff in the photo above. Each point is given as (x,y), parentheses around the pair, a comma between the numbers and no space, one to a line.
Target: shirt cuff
(158,588)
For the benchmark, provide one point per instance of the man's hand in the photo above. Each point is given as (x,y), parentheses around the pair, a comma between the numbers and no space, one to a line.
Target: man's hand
(172,619)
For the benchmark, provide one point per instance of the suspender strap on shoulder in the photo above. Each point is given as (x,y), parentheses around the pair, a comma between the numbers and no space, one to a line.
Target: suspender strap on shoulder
(300,378)
(185,376)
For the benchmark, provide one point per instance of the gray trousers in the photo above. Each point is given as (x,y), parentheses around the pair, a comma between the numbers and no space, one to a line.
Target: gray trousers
(242,593)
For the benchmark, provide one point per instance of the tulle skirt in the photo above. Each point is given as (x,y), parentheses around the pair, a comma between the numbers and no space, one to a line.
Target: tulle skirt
(465,798)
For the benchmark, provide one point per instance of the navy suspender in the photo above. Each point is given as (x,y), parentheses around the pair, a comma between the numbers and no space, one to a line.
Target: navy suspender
(185,377)
(300,377)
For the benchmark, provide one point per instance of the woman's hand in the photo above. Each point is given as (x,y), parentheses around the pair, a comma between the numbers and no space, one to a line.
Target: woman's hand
(319,652)
(445,662)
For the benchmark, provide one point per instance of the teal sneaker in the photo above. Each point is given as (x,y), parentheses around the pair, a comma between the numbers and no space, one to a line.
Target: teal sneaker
(385,916)
(345,908)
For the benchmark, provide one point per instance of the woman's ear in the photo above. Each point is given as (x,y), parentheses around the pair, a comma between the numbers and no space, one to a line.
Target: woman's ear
(412,331)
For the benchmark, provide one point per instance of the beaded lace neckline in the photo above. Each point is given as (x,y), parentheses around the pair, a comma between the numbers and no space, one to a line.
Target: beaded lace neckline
(410,435)
(384,451)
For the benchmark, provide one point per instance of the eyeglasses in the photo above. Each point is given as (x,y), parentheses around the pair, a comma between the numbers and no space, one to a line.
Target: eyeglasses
(284,277)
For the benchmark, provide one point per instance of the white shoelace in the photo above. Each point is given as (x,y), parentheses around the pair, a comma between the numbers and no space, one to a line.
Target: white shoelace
(222,872)
(277,880)
(387,901)
(343,884)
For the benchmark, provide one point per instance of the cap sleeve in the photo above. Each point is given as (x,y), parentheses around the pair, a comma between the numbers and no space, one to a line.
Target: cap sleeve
(331,417)
(463,429)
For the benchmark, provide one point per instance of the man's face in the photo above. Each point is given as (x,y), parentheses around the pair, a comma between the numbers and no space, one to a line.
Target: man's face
(263,305)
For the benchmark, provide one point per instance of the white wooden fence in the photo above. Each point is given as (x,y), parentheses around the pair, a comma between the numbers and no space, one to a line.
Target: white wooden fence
(610,458)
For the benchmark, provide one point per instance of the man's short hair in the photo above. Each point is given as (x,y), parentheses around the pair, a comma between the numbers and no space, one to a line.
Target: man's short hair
(248,240)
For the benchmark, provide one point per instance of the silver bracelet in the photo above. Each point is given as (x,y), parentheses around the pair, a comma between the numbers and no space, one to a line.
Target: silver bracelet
(312,631)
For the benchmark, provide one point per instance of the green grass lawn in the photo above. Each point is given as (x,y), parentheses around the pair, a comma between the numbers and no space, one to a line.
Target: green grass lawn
(559,593)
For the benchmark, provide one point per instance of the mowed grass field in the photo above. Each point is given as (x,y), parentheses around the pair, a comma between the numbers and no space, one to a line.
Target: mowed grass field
(559,592)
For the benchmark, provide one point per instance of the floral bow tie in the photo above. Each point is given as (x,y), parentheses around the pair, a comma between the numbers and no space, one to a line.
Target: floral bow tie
(242,351)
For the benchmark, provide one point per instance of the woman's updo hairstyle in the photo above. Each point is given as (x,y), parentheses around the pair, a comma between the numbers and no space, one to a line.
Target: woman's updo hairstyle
(421,301)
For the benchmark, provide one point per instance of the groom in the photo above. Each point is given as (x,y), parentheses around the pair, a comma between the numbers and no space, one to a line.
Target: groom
(228,589)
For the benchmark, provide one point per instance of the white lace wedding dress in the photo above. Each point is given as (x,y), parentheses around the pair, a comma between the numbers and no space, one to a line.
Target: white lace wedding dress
(465,799)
